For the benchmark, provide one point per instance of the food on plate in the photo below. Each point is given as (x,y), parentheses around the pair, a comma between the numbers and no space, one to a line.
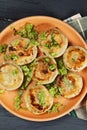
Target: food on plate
(37,98)
(53,42)
(39,65)
(45,70)
(21,51)
(75,58)
(11,76)
(70,85)
(3,48)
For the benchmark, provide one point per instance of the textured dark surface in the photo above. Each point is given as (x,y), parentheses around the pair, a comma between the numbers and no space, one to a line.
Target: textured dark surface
(10,122)
(11,10)
(16,9)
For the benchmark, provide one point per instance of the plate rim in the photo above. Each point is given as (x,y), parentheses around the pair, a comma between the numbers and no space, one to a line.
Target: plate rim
(66,112)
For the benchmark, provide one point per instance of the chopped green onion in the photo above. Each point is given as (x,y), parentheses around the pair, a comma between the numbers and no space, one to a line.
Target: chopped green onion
(14,57)
(47,46)
(31,32)
(29,27)
(11,57)
(53,54)
(25,69)
(53,89)
(16,42)
(63,71)
(73,60)
(28,73)
(43,36)
(67,82)
(53,42)
(60,62)
(55,107)
(18,101)
(15,72)
(61,67)
(41,98)
(3,48)
(47,59)
(52,67)
(34,42)
(27,31)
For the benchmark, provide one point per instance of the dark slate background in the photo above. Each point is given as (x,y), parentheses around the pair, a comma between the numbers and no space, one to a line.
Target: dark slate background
(12,10)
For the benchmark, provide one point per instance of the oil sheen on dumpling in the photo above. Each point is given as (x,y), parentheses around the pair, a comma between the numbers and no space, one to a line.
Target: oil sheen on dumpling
(11,76)
(70,85)
(75,58)
(37,99)
(45,70)
(21,51)
(53,42)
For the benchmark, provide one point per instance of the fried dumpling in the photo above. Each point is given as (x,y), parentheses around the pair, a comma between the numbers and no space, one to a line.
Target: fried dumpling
(75,58)
(11,76)
(53,42)
(21,51)
(38,99)
(45,70)
(70,85)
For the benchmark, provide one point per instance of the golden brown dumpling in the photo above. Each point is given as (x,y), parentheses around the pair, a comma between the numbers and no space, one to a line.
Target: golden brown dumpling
(37,98)
(53,42)
(45,70)
(21,51)
(70,85)
(75,58)
(11,76)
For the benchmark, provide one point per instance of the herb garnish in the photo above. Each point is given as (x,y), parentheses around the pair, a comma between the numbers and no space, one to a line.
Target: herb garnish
(28,73)
(73,59)
(3,48)
(53,89)
(14,57)
(16,42)
(41,98)
(18,101)
(52,67)
(47,59)
(53,54)
(56,107)
(67,82)
(43,36)
(61,67)
(28,31)
(53,41)
(15,72)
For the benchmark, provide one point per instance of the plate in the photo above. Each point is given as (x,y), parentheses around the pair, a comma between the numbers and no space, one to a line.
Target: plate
(7,99)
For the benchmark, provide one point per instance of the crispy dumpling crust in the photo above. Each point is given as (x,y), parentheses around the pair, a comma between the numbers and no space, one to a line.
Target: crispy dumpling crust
(32,99)
(42,73)
(70,85)
(75,58)
(25,52)
(11,76)
(55,42)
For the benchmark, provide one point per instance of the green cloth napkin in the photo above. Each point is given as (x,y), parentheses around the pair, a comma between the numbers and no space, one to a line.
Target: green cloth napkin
(80,24)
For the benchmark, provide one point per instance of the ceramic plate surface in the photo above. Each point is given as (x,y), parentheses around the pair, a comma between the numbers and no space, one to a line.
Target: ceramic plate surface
(44,22)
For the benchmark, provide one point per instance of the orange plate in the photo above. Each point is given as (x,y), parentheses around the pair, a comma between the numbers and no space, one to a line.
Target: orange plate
(44,22)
